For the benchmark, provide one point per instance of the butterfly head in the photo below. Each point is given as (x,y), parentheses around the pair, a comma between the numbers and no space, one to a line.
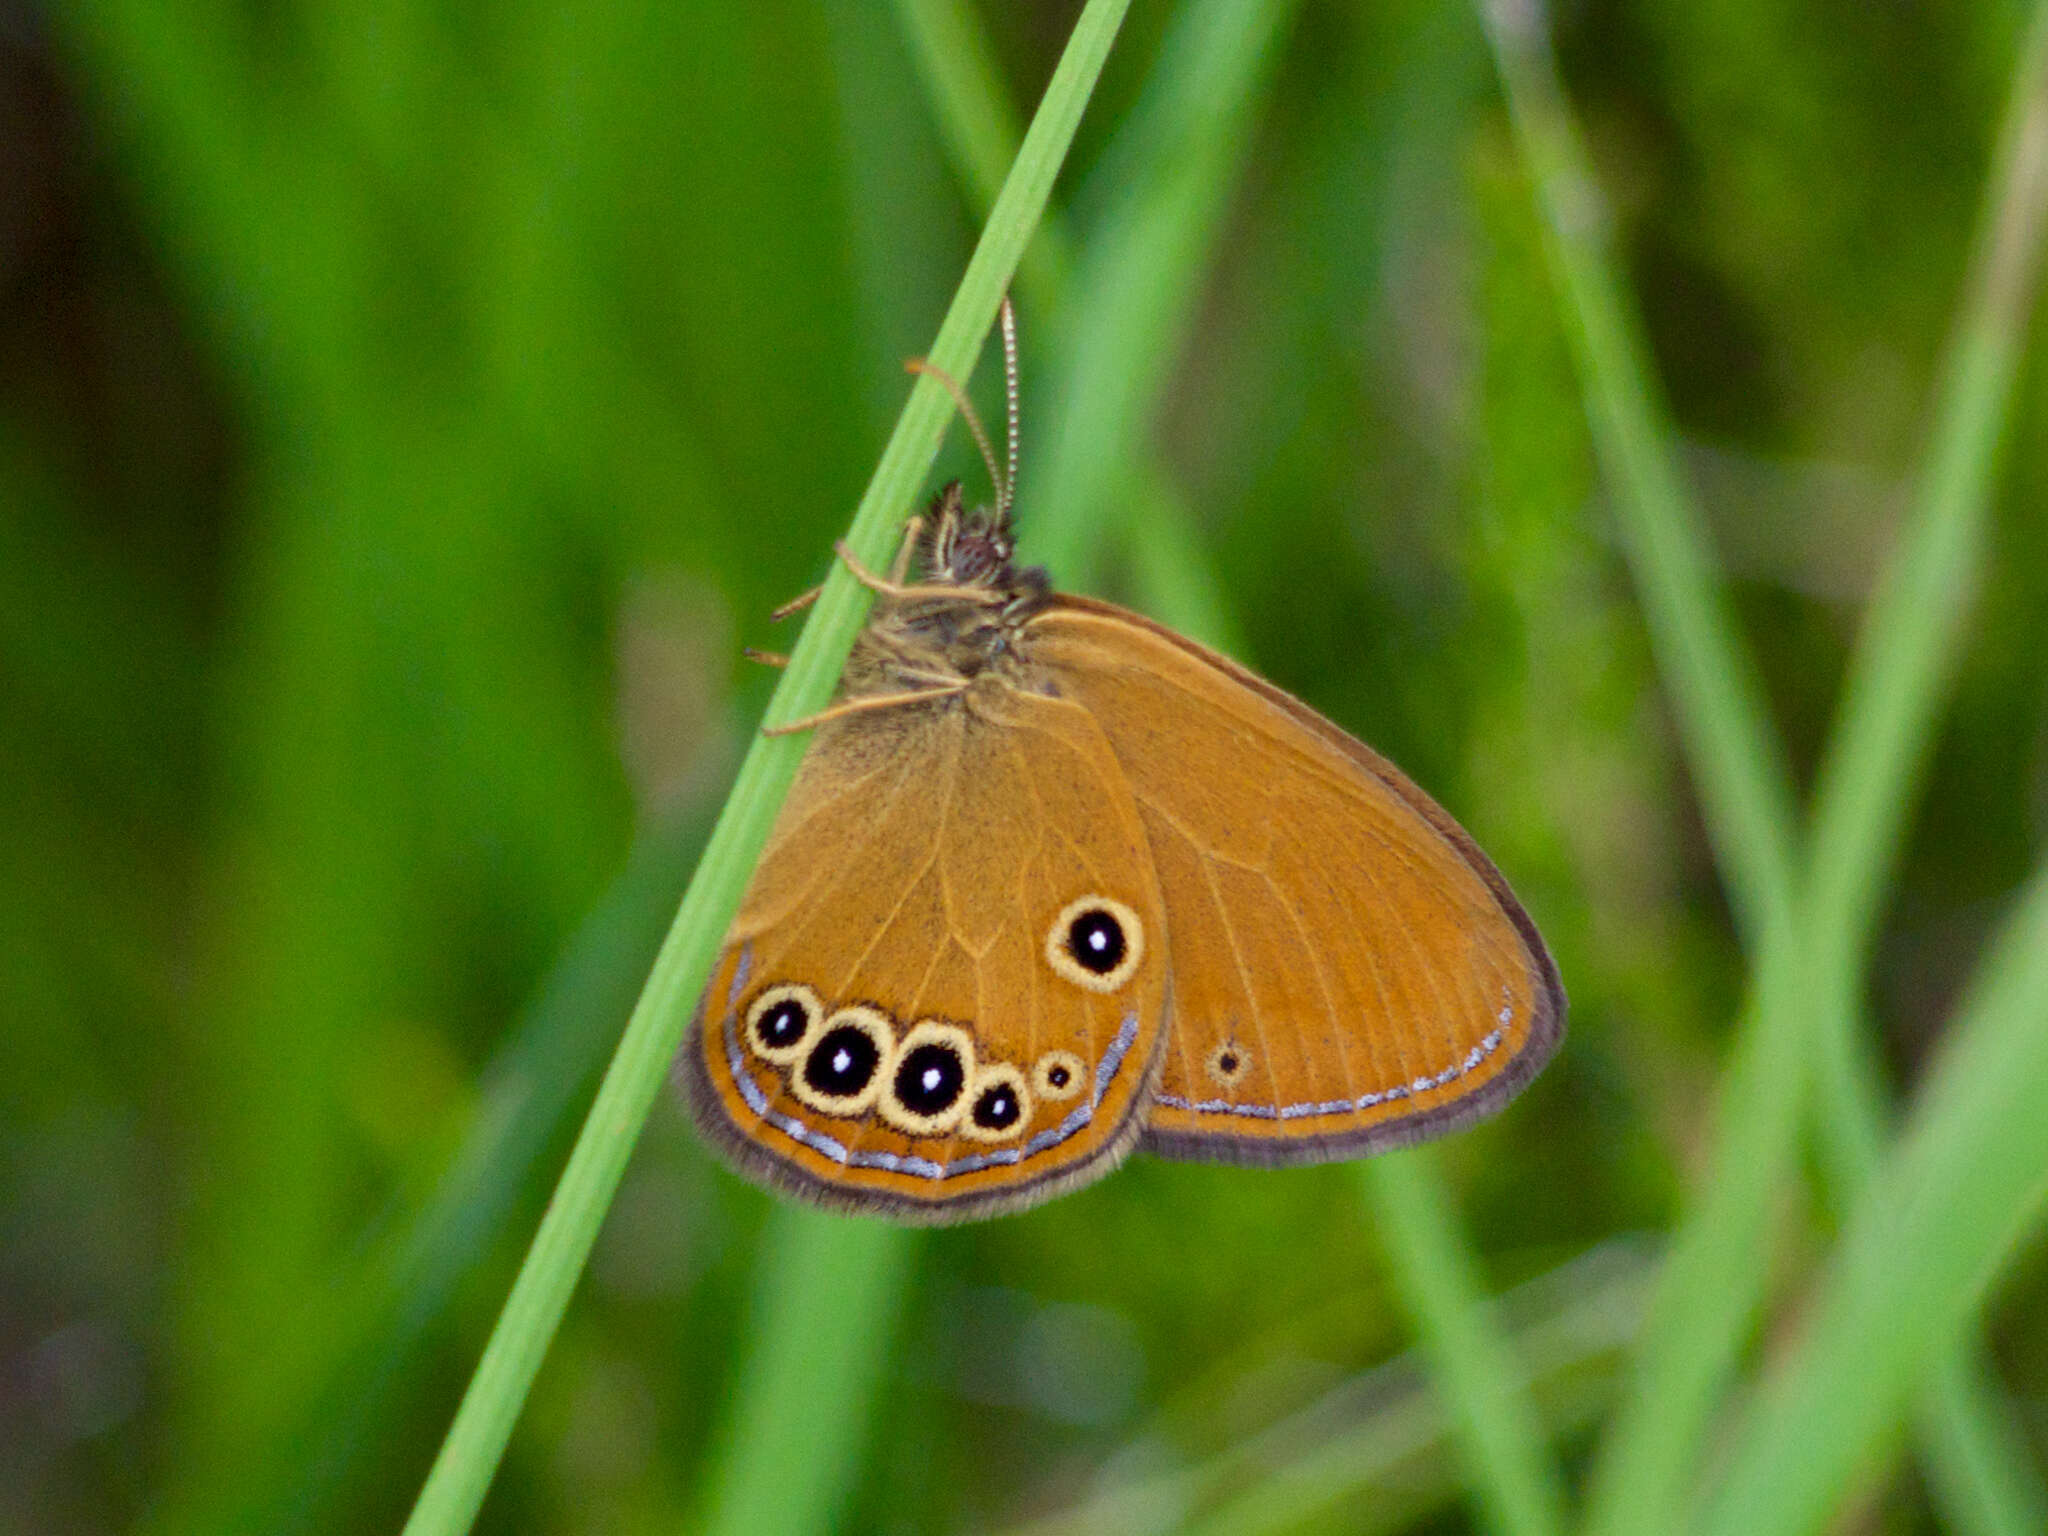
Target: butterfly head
(966,546)
(965,611)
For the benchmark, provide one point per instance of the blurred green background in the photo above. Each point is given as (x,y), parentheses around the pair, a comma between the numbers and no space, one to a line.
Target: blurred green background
(407,412)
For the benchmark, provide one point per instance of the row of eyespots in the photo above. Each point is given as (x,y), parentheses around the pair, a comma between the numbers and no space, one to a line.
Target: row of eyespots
(928,1084)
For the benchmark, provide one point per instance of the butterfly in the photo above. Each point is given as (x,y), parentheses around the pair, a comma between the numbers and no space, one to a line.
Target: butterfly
(1054,882)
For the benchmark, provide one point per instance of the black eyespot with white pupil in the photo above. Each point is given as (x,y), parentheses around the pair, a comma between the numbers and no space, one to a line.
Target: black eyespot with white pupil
(1096,941)
(1000,1104)
(780,1020)
(930,1078)
(843,1062)
(783,1023)
(998,1108)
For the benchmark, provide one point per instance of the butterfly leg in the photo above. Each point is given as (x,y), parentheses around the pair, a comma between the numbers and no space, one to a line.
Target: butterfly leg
(766,658)
(859,706)
(796,604)
(952,590)
(892,587)
(911,531)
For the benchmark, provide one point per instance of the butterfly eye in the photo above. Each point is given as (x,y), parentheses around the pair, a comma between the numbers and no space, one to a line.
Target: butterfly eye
(1096,943)
(841,1072)
(1228,1063)
(779,1021)
(1001,1104)
(1058,1075)
(928,1077)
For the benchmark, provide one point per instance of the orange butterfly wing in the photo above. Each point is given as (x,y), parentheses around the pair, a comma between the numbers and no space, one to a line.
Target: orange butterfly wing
(908,898)
(1349,972)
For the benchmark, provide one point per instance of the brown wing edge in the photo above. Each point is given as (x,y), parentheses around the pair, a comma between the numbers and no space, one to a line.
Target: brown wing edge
(753,1161)
(1546,1029)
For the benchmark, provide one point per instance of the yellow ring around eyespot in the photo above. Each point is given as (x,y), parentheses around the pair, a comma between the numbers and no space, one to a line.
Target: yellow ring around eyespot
(1041,1076)
(789,991)
(1062,961)
(901,1115)
(1230,1074)
(871,1022)
(996,1072)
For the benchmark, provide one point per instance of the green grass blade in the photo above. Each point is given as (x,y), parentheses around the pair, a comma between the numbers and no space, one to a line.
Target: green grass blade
(1556,1355)
(1377,1451)
(1744,785)
(475,1442)
(1167,179)
(530,1091)
(1906,651)
(1170,573)
(1888,712)
(1981,1471)
(978,129)
(1923,1245)
(1176,163)
(1499,1430)
(825,1317)
(1712,1285)
(964,86)
(1171,570)
(1897,677)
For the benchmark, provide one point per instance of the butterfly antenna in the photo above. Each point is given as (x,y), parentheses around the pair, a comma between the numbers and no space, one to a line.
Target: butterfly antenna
(1006,493)
(988,457)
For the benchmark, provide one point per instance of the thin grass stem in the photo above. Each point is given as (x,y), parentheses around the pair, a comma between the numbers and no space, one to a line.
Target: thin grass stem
(1142,506)
(1712,1285)
(1165,184)
(828,1302)
(1979,1473)
(1905,653)
(1954,1199)
(462,1471)
(1379,1450)
(1499,1431)
(531,1090)
(1811,945)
